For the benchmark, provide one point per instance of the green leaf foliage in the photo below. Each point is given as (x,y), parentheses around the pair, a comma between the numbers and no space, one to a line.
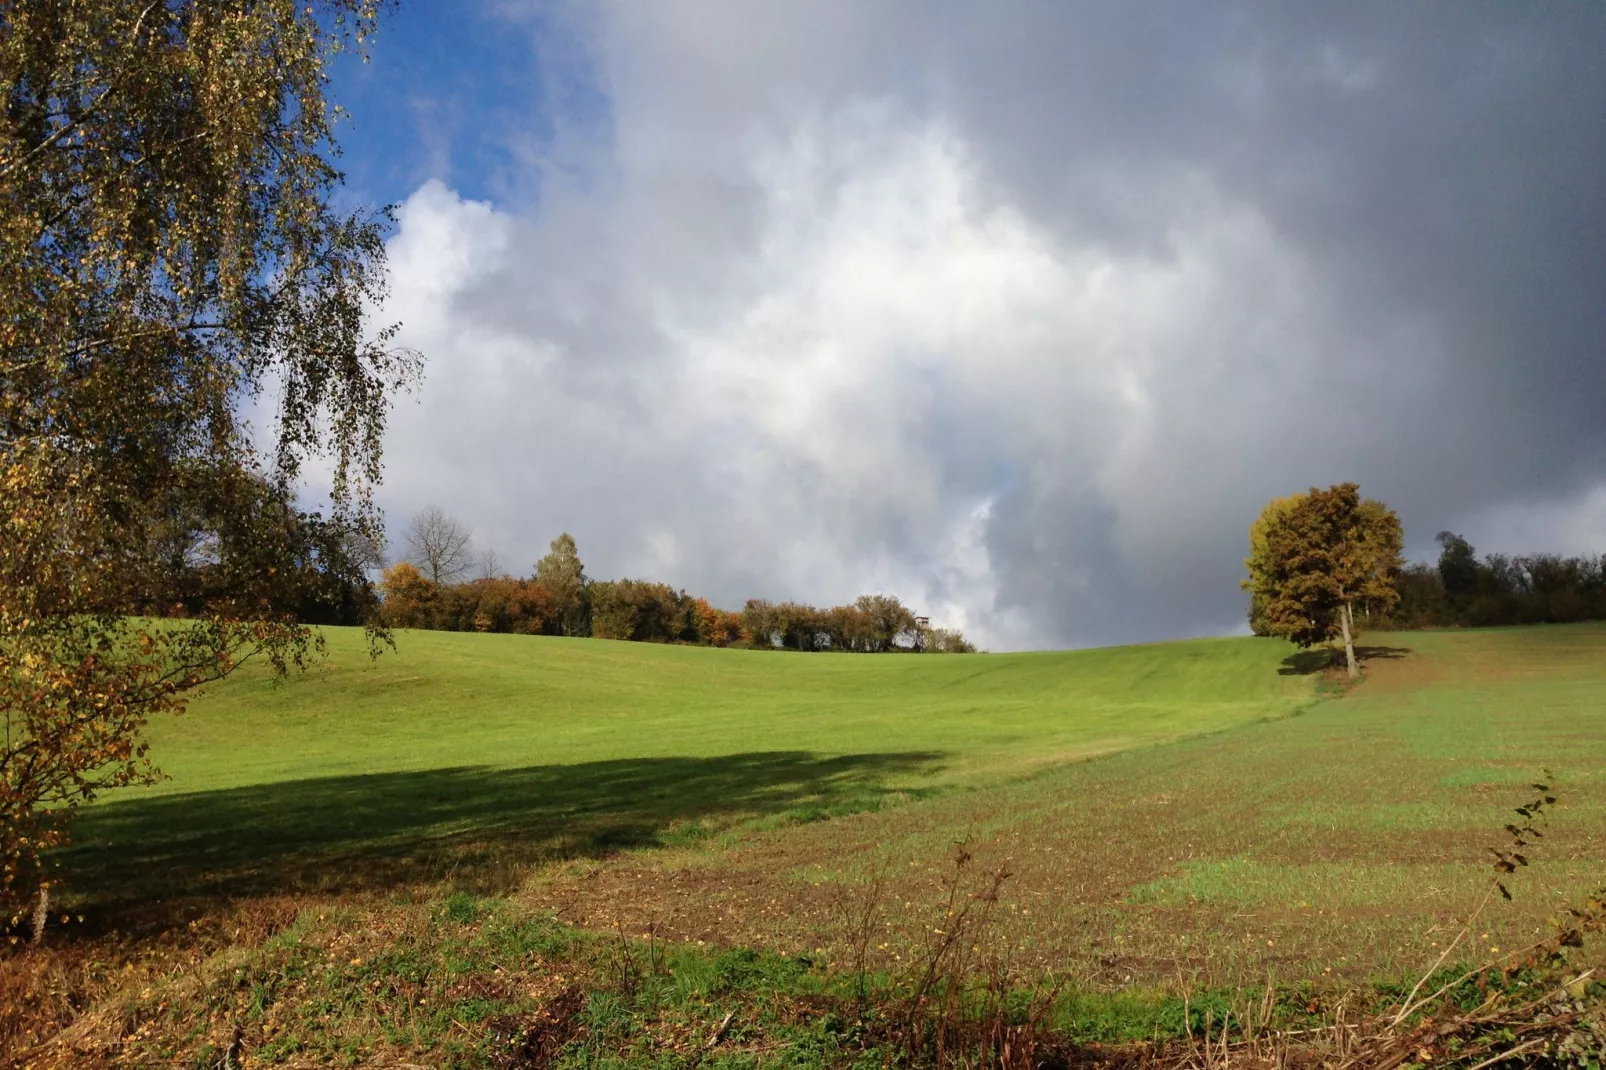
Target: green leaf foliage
(169,246)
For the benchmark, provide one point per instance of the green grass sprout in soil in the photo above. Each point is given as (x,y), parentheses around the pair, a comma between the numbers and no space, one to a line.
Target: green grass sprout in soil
(515,851)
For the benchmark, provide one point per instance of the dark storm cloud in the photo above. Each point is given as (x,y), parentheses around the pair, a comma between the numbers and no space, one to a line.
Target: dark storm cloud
(1022,312)
(1443,166)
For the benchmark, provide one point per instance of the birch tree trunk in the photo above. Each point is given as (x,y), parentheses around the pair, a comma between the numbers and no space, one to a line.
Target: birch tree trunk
(1346,620)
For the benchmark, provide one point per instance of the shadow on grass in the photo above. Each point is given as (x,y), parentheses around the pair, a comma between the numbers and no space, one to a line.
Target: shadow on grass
(1306,662)
(478,825)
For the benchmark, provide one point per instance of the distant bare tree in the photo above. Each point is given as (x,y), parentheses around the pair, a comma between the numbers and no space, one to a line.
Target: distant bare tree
(490,566)
(439,545)
(367,551)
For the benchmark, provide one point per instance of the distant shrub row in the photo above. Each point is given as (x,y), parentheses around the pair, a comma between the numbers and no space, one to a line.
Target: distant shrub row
(1463,589)
(560,600)
(635,610)
(873,624)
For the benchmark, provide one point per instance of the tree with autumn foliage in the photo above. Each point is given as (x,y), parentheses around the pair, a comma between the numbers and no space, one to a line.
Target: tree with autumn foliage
(409,596)
(563,575)
(884,620)
(640,611)
(715,626)
(1259,562)
(169,245)
(1318,557)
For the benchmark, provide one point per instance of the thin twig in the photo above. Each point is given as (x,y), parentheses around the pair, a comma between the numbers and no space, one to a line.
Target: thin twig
(1506,1055)
(1406,1005)
(719,1034)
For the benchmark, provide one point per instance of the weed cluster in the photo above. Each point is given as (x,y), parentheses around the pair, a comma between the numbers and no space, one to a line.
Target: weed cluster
(959,1000)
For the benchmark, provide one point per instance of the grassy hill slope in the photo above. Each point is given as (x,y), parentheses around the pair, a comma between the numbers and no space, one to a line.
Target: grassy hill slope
(1345,844)
(449,700)
(1346,836)
(458,748)
(1352,839)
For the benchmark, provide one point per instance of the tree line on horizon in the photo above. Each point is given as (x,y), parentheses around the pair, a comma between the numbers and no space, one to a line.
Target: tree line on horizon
(1463,590)
(443,584)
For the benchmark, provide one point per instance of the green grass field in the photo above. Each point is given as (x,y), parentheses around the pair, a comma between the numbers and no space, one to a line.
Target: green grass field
(682,787)
(457,746)
(384,861)
(444,700)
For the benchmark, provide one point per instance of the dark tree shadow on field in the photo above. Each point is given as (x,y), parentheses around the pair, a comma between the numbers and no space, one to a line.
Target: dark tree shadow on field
(1307,662)
(478,825)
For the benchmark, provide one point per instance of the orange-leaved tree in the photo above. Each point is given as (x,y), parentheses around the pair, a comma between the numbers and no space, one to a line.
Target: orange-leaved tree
(1323,555)
(1259,561)
(409,596)
(715,626)
(169,245)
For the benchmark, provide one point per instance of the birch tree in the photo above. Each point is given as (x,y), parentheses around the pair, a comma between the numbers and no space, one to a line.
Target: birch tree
(169,246)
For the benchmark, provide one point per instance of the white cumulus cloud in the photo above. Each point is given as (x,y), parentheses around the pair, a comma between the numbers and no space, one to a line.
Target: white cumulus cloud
(810,322)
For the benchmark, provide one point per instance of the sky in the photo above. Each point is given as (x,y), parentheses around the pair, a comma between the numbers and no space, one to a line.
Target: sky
(1019,312)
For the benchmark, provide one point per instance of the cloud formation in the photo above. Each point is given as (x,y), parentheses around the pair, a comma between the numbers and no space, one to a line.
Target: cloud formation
(1019,313)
